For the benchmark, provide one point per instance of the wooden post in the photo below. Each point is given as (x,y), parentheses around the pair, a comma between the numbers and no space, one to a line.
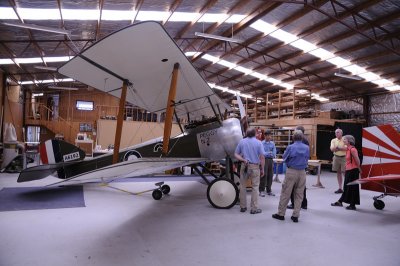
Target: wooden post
(266,107)
(120,121)
(279,105)
(170,109)
(255,110)
(294,99)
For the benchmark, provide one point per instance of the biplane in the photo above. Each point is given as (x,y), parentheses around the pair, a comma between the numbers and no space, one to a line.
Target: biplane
(381,162)
(142,65)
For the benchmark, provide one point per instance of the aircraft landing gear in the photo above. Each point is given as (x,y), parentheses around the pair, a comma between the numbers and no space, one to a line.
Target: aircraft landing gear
(379,204)
(157,193)
(162,189)
(222,193)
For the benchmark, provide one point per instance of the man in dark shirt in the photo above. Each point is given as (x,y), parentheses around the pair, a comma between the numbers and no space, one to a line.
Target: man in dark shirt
(296,158)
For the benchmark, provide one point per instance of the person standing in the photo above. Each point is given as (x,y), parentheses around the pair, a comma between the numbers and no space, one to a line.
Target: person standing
(339,161)
(296,158)
(251,155)
(351,194)
(304,202)
(269,154)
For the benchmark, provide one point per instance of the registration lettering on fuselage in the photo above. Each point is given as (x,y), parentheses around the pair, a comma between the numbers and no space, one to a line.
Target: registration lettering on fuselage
(71,156)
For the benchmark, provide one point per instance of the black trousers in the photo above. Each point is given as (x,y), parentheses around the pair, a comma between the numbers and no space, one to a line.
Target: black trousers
(303,203)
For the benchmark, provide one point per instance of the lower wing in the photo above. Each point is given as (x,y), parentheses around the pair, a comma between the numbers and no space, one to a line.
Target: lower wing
(390,183)
(130,168)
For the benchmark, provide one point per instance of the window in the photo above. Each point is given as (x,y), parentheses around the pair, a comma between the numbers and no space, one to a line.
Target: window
(85,105)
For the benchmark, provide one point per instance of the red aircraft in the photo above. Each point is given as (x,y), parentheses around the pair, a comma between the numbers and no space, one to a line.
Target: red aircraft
(381,162)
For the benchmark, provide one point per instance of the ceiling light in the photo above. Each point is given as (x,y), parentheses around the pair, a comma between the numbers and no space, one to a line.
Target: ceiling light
(348,76)
(36,27)
(46,68)
(62,88)
(217,37)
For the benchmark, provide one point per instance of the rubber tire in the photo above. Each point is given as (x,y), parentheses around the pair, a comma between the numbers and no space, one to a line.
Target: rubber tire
(379,204)
(165,189)
(222,193)
(157,194)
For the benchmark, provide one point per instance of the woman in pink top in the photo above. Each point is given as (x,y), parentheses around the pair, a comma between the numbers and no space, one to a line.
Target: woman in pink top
(351,194)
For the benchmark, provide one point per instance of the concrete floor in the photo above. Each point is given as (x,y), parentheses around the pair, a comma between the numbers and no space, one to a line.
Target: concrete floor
(116,228)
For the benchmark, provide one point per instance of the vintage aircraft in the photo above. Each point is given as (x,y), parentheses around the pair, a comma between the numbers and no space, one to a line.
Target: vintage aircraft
(381,162)
(143,65)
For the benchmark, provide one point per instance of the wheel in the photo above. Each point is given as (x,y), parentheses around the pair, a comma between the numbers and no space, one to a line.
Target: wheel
(222,193)
(379,204)
(165,189)
(157,194)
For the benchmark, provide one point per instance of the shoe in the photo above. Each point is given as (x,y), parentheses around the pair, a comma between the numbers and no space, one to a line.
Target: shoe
(278,217)
(270,194)
(338,191)
(291,206)
(255,211)
(295,219)
(304,207)
(337,203)
(262,194)
(351,208)
(243,209)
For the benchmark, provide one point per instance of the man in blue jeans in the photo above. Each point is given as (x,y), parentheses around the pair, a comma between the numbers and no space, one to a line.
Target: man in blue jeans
(269,154)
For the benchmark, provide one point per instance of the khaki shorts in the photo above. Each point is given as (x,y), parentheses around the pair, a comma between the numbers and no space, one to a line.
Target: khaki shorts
(338,163)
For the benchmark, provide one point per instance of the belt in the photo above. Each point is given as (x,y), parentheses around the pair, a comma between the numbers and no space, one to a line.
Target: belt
(339,155)
(254,163)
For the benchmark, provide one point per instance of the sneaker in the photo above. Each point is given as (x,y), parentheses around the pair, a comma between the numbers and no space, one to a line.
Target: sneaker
(278,217)
(351,208)
(243,209)
(291,206)
(271,194)
(295,219)
(262,194)
(255,211)
(339,191)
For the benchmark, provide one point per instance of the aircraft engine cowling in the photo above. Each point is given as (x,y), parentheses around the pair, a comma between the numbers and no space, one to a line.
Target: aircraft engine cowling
(219,142)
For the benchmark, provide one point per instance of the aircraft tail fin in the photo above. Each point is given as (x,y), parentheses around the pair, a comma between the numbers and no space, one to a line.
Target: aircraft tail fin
(381,153)
(56,151)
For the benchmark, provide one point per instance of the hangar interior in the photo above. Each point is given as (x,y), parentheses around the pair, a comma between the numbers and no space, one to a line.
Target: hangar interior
(321,64)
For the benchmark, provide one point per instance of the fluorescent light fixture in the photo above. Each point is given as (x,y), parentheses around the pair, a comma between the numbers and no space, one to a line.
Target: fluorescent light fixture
(36,27)
(263,27)
(62,88)
(46,68)
(348,76)
(244,70)
(7,13)
(39,13)
(118,15)
(183,17)
(80,14)
(227,64)
(152,15)
(393,88)
(217,37)
(211,18)
(37,94)
(339,61)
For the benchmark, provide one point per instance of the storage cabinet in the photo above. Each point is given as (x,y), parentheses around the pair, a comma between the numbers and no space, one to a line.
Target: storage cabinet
(282,138)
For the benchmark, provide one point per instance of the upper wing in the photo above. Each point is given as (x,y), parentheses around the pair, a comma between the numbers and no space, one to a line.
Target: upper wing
(131,168)
(144,54)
